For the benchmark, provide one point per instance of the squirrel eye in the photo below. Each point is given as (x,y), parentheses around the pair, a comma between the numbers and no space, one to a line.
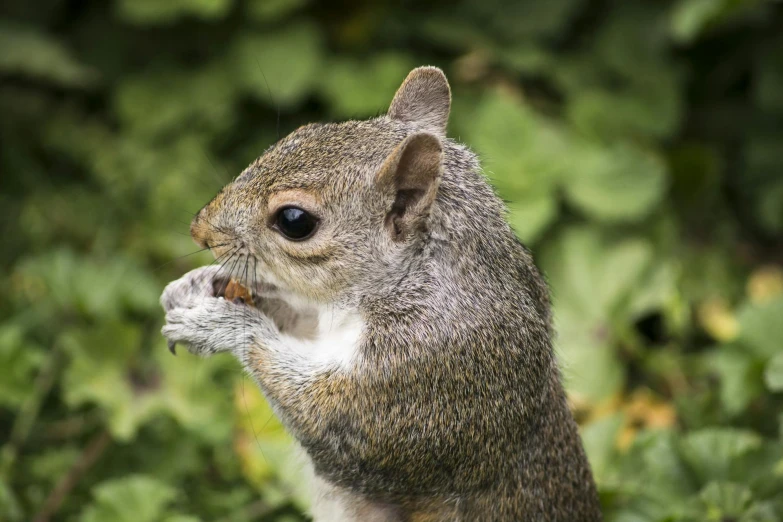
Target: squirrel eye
(295,224)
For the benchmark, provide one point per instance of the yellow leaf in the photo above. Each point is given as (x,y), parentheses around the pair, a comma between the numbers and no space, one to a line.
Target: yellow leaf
(765,284)
(718,320)
(260,441)
(644,411)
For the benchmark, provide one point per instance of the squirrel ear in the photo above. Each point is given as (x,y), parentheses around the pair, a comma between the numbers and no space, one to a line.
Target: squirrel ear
(424,98)
(411,176)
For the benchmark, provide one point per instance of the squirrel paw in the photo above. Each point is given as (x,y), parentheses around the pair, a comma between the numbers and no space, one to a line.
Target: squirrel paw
(190,289)
(212,324)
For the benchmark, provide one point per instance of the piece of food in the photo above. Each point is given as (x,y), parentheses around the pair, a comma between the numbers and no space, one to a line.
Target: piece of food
(235,291)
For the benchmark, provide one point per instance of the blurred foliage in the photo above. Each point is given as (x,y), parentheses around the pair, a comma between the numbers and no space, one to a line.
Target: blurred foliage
(638,144)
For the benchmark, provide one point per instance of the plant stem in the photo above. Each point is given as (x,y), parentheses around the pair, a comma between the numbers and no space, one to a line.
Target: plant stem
(29,413)
(89,456)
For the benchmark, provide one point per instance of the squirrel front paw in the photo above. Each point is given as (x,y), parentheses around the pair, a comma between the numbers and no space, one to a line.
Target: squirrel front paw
(192,287)
(213,324)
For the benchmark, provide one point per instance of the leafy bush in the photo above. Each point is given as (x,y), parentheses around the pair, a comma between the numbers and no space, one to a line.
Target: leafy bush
(637,143)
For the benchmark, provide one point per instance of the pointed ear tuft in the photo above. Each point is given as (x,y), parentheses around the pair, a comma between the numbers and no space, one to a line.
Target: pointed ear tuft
(410,177)
(423,98)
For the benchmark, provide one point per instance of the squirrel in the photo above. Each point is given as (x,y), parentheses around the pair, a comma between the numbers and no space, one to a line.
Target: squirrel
(402,332)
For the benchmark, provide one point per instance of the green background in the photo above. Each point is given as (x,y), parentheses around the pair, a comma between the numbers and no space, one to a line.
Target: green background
(639,145)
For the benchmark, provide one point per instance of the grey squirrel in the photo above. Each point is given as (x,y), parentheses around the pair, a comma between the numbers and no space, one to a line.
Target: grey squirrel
(402,333)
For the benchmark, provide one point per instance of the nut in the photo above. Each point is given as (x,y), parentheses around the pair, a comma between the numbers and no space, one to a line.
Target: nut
(235,291)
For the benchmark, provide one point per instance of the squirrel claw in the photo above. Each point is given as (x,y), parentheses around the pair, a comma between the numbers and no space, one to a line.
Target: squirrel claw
(172,347)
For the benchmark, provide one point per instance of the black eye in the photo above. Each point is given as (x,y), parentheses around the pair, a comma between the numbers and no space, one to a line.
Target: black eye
(295,224)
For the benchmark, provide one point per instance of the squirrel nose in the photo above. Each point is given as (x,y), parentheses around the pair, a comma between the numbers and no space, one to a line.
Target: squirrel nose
(198,231)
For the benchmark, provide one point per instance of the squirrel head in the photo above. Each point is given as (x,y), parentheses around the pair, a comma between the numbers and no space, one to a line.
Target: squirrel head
(331,206)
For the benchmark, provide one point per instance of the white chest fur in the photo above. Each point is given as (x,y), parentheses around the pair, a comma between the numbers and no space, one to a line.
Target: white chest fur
(333,342)
(329,337)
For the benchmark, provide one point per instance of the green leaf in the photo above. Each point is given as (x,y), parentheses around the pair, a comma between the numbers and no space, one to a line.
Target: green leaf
(525,58)
(650,110)
(761,470)
(591,278)
(615,183)
(99,373)
(761,183)
(658,288)
(761,329)
(136,498)
(188,393)
(519,21)
(731,499)
(279,67)
(599,284)
(105,371)
(150,12)
(740,377)
(666,482)
(357,89)
(691,18)
(770,208)
(530,217)
(173,179)
(630,45)
(30,53)
(769,86)
(273,10)
(70,283)
(53,463)
(19,360)
(528,157)
(10,509)
(710,452)
(523,154)
(720,501)
(265,449)
(591,369)
(157,103)
(593,274)
(773,374)
(599,440)
(454,32)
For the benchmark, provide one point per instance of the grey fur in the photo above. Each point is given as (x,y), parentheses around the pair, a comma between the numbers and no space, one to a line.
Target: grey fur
(454,408)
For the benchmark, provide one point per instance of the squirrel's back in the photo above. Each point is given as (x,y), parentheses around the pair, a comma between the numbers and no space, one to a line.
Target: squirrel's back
(485,379)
